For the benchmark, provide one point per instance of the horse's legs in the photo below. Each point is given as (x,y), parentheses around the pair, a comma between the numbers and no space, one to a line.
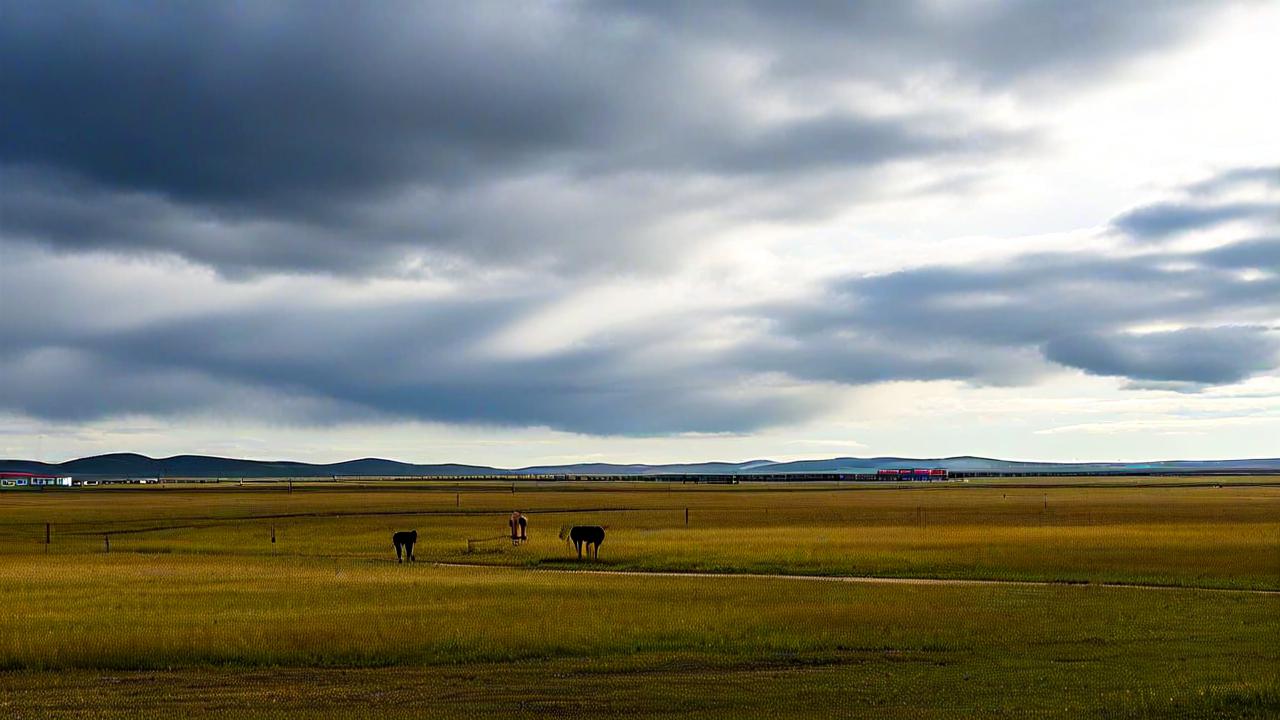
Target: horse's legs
(577,545)
(597,552)
(398,553)
(408,550)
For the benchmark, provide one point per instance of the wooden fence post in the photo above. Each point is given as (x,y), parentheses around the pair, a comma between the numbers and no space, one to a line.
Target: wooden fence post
(106,543)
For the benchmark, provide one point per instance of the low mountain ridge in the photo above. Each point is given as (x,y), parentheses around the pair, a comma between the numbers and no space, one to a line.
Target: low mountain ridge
(204,466)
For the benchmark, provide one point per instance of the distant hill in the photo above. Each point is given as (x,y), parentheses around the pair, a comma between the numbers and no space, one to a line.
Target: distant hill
(203,466)
(708,468)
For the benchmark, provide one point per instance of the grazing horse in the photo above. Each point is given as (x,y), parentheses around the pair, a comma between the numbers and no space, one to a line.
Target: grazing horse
(519,526)
(404,540)
(588,535)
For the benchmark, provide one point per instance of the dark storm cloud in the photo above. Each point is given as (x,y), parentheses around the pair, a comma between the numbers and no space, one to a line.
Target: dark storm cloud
(1202,208)
(412,360)
(1156,222)
(285,102)
(1209,356)
(997,324)
(353,138)
(1259,254)
(552,222)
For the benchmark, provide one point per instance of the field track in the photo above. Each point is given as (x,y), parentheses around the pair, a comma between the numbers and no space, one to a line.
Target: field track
(862,579)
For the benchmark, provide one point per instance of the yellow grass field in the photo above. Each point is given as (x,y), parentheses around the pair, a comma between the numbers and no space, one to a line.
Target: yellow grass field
(195,612)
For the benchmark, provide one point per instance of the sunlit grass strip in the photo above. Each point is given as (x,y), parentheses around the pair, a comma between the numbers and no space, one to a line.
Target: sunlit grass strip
(1228,538)
(168,611)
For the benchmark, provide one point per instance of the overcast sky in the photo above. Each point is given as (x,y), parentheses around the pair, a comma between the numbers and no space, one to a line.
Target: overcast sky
(520,233)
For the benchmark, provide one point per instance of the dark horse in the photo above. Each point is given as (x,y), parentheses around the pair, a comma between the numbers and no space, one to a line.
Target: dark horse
(584,535)
(404,540)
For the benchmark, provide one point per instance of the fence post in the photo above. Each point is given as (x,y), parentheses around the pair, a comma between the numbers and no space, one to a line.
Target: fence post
(106,543)
(273,534)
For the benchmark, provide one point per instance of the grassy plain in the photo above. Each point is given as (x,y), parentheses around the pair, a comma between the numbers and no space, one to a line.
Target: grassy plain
(195,612)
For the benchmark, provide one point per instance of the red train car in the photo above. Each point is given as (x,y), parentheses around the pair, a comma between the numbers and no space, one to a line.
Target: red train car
(911,474)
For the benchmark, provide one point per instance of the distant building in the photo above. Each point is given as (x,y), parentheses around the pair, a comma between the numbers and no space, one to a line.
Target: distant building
(27,480)
(14,480)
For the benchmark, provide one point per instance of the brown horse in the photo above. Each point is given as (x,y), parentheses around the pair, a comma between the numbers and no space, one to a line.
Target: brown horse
(579,535)
(519,525)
